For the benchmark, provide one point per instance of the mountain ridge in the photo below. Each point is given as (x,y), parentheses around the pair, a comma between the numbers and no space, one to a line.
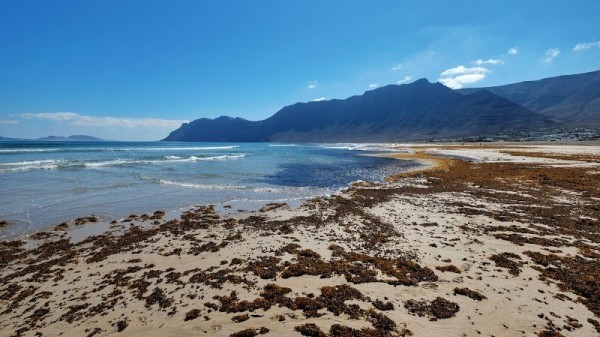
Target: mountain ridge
(79,138)
(69,138)
(573,100)
(417,111)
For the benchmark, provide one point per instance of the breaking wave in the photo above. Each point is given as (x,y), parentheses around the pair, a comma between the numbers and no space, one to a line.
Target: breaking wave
(115,149)
(51,164)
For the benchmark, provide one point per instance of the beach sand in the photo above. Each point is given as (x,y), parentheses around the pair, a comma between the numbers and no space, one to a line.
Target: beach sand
(491,240)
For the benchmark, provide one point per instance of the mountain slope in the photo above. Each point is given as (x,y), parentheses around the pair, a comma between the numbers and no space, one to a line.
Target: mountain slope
(8,139)
(573,100)
(69,138)
(416,111)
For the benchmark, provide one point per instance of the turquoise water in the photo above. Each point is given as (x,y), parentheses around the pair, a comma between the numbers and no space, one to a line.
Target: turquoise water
(45,183)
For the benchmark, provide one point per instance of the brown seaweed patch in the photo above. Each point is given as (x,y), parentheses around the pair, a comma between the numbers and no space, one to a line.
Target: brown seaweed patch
(439,308)
(240,318)
(121,325)
(449,268)
(250,332)
(230,304)
(74,313)
(577,274)
(210,246)
(405,271)
(272,206)
(218,278)
(595,323)
(561,156)
(10,251)
(333,298)
(551,330)
(309,306)
(85,220)
(192,314)
(158,297)
(338,330)
(290,248)
(507,260)
(522,240)
(310,330)
(275,293)
(383,306)
(472,294)
(265,267)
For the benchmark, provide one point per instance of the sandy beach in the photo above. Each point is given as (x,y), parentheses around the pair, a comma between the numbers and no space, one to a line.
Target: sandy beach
(484,240)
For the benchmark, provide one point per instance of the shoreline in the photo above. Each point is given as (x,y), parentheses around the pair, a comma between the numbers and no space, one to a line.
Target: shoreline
(434,251)
(252,198)
(81,226)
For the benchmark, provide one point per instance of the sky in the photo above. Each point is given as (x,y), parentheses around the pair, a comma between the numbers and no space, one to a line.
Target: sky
(136,70)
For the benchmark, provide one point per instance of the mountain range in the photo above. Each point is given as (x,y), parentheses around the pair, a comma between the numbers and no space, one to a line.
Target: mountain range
(573,100)
(417,111)
(75,138)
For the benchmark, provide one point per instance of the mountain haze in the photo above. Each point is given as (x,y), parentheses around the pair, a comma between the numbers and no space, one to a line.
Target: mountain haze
(416,111)
(573,100)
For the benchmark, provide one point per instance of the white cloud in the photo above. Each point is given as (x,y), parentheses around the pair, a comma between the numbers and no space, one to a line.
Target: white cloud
(54,116)
(586,45)
(457,77)
(551,54)
(319,99)
(513,51)
(6,121)
(312,84)
(404,80)
(459,81)
(397,67)
(83,120)
(462,70)
(373,85)
(488,61)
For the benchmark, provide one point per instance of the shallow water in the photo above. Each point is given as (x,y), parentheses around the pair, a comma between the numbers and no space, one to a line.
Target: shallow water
(45,183)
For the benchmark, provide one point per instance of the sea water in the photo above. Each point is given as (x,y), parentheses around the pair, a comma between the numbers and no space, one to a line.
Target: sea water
(46,183)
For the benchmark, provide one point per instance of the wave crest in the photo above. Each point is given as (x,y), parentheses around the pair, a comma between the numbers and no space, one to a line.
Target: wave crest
(50,164)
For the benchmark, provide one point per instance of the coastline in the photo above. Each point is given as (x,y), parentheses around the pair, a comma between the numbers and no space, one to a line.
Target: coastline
(110,182)
(435,251)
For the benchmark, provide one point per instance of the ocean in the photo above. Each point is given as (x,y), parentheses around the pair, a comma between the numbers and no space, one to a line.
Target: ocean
(46,183)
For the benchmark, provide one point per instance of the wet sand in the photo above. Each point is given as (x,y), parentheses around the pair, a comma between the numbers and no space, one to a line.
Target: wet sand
(487,241)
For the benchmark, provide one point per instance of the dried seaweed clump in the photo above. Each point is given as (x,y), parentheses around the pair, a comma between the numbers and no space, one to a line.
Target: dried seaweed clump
(192,314)
(240,318)
(274,293)
(472,294)
(550,333)
(310,330)
(250,332)
(158,296)
(333,298)
(449,268)
(439,308)
(230,304)
(405,271)
(387,306)
(121,325)
(507,260)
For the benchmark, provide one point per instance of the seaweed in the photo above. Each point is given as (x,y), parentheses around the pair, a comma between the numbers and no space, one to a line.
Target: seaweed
(472,294)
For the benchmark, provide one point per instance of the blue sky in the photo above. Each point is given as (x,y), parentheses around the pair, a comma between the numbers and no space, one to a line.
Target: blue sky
(134,70)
